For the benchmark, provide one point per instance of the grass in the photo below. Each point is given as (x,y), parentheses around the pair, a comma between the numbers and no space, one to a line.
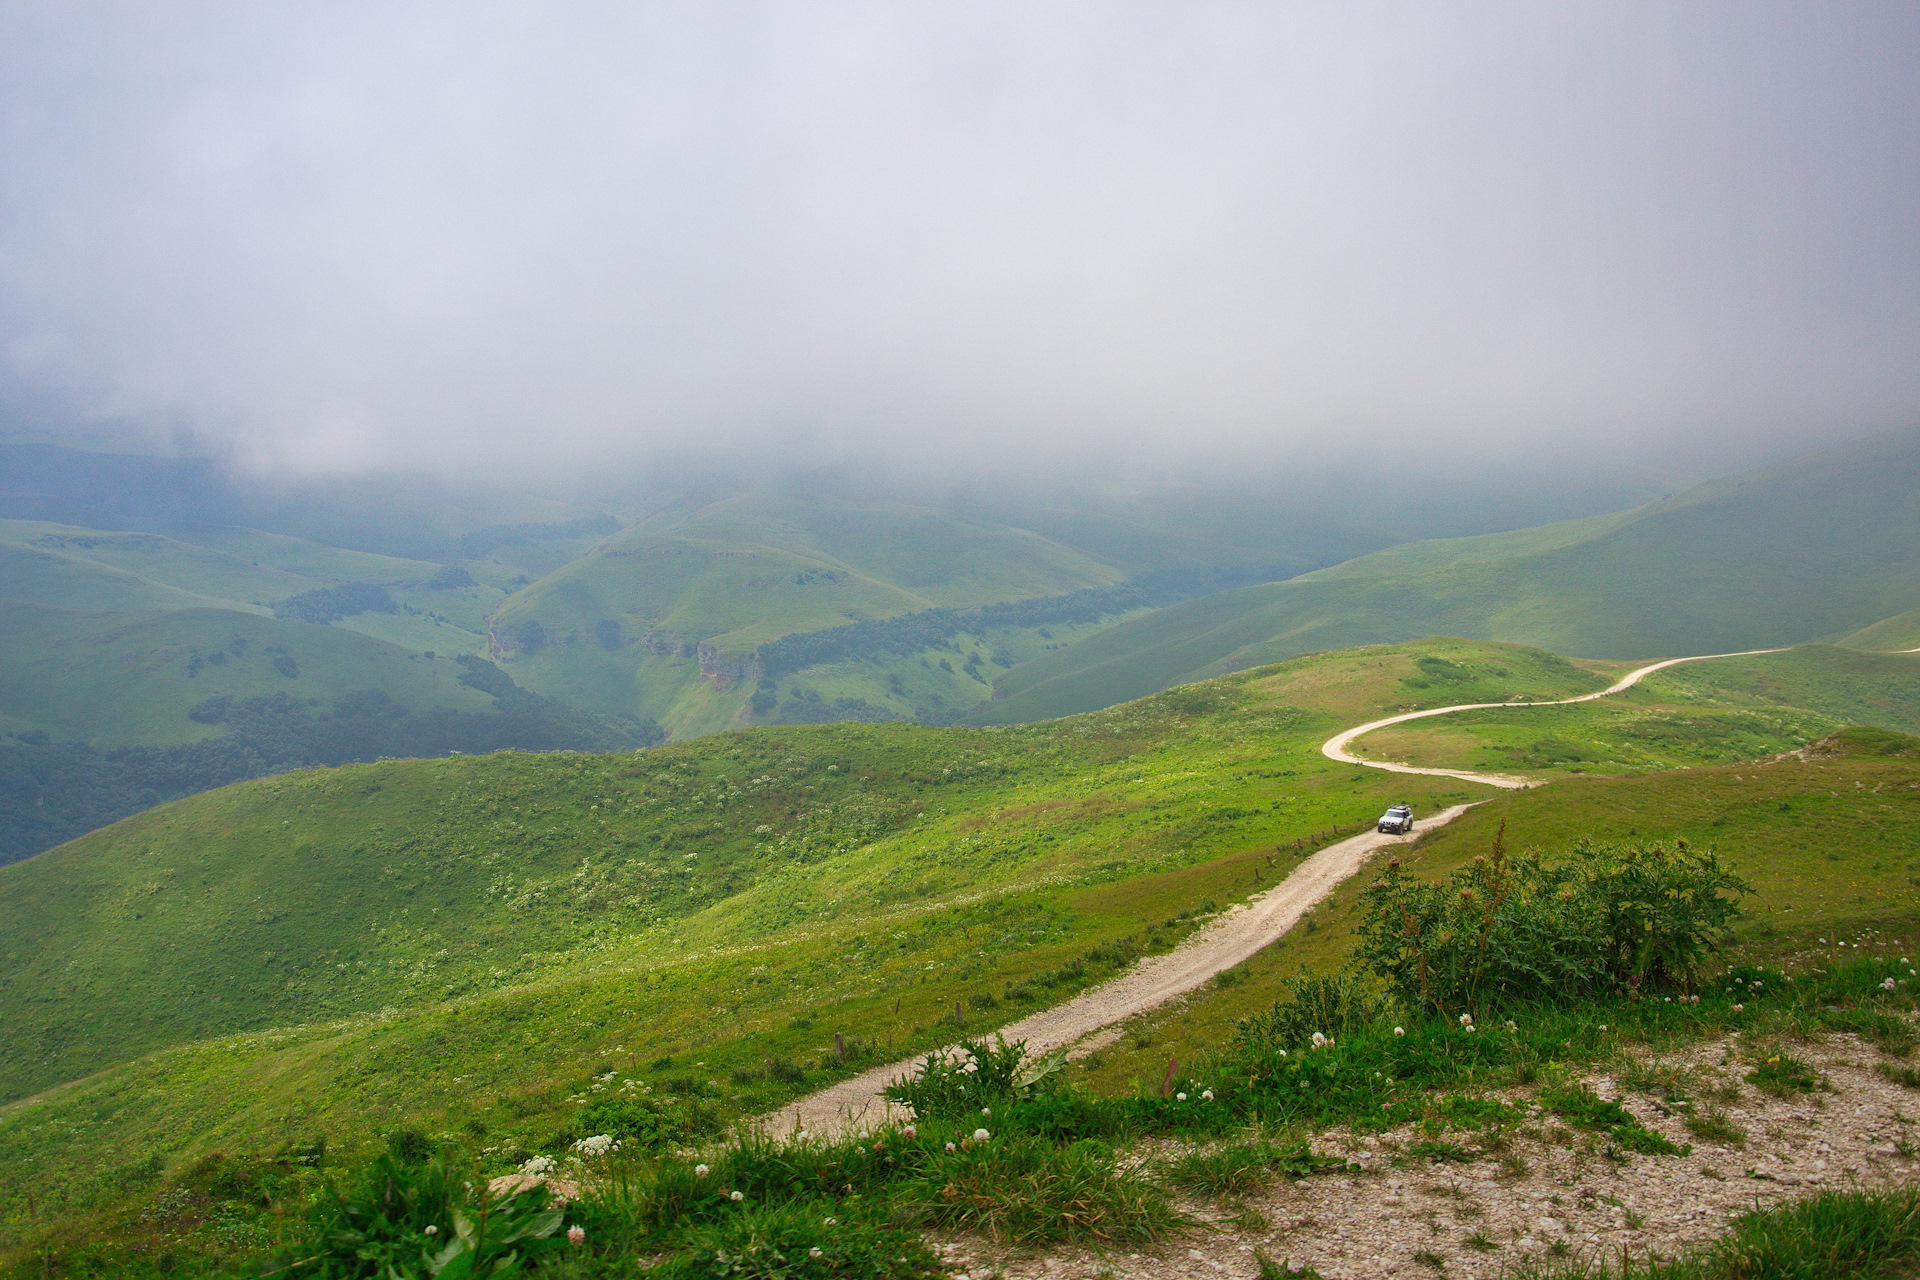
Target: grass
(118,679)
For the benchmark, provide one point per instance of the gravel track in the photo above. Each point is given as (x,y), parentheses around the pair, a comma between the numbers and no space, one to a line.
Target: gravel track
(1229,940)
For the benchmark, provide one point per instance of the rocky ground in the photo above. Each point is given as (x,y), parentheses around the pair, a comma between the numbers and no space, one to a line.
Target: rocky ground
(1550,1193)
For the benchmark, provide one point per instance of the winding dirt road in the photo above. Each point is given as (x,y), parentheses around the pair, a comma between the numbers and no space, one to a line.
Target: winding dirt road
(1335,748)
(1235,936)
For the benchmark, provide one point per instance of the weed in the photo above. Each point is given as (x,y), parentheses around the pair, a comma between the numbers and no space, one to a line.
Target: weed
(1443,1152)
(1714,1126)
(1428,1258)
(1586,1110)
(1784,1076)
(1284,1270)
(1479,1240)
(1514,1165)
(1900,1073)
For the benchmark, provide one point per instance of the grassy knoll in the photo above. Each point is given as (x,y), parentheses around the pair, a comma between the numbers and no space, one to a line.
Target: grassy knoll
(1701,713)
(120,678)
(1898,634)
(1810,549)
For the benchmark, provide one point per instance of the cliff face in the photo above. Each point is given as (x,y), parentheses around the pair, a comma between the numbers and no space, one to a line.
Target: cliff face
(725,668)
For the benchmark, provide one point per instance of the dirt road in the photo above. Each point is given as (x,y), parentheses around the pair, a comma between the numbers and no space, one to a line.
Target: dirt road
(1225,942)
(1335,748)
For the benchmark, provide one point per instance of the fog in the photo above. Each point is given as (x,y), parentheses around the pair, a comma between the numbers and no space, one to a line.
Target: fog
(519,239)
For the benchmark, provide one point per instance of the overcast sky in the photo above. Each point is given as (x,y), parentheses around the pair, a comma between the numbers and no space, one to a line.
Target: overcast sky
(341,235)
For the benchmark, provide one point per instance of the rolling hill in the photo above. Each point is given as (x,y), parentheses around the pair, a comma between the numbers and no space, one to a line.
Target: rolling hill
(1815,548)
(469,941)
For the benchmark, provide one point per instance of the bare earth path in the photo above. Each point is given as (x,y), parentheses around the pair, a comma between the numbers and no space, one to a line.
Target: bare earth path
(1235,936)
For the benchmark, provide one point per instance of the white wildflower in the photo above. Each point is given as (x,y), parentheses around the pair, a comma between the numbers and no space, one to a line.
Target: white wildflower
(1888,985)
(538,1165)
(1465,1018)
(987,1112)
(981,1135)
(699,1171)
(596,1146)
(951,1148)
(433,1231)
(1179,1097)
(1319,1040)
(814,1252)
(1207,1095)
(1399,1031)
(909,1132)
(832,1222)
(736,1196)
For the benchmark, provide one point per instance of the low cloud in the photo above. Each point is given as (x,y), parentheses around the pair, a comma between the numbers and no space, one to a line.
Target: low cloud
(332,237)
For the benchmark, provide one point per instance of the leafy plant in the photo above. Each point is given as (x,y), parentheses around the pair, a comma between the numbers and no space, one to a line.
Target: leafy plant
(1238,1168)
(1583,1108)
(409,1218)
(1601,919)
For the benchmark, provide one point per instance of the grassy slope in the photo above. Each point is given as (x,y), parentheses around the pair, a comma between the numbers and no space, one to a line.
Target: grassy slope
(1827,843)
(1900,634)
(868,876)
(1703,713)
(739,572)
(1814,548)
(122,678)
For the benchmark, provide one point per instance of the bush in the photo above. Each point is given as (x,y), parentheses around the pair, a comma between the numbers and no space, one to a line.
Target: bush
(979,1075)
(1601,920)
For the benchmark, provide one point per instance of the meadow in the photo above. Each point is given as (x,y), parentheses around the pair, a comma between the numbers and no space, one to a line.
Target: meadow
(472,945)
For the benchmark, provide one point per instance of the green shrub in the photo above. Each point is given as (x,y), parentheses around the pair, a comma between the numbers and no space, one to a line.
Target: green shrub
(979,1075)
(1600,920)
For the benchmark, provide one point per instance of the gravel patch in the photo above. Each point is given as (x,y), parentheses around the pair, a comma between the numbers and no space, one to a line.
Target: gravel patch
(1554,1192)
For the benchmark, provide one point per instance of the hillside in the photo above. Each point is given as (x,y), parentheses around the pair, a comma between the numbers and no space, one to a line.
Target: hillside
(860,609)
(1815,548)
(466,937)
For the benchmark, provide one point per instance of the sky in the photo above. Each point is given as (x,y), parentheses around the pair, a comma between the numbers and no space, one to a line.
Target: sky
(523,238)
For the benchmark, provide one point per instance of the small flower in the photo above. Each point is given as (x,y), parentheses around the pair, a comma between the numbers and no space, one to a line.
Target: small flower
(1771,1061)
(951,1148)
(433,1231)
(1179,1097)
(831,1222)
(909,1132)
(1465,1018)
(1399,1031)
(987,1112)
(803,1135)
(981,1135)
(1603,1026)
(699,1171)
(1471,1029)
(1739,1008)
(814,1252)
(1888,985)
(1319,1040)
(576,1236)
(1283,1053)
(1207,1095)
(736,1196)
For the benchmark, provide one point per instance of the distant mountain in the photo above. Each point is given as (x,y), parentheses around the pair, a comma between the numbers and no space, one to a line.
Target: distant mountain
(1814,548)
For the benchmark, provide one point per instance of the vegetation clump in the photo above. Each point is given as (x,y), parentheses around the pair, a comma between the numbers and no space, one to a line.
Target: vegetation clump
(1601,920)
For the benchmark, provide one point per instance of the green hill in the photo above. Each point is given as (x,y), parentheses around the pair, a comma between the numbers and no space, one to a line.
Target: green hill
(1815,548)
(324,894)
(672,617)
(1900,634)
(470,939)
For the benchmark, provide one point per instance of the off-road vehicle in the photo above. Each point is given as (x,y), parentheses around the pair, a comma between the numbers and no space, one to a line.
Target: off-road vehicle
(1397,821)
